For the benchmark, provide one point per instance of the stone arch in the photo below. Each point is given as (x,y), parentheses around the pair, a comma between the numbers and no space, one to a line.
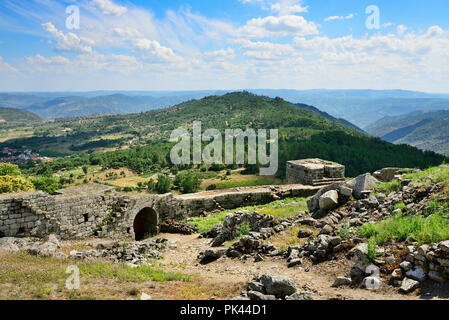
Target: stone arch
(145,223)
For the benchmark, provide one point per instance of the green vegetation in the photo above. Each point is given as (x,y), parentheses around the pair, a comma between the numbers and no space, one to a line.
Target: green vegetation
(7,169)
(129,274)
(245,183)
(244,230)
(303,133)
(434,228)
(46,184)
(372,249)
(14,184)
(163,184)
(281,208)
(206,223)
(388,187)
(188,181)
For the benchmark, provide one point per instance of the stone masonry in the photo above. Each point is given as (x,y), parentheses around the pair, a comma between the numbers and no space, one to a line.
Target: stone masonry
(97,210)
(315,172)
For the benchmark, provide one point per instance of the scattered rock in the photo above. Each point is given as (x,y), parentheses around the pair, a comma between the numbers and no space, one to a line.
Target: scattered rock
(362,183)
(417,273)
(255,295)
(300,296)
(145,296)
(279,286)
(172,226)
(408,286)
(342,281)
(329,200)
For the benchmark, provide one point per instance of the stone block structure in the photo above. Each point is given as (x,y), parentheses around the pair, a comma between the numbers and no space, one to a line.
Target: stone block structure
(314,172)
(95,210)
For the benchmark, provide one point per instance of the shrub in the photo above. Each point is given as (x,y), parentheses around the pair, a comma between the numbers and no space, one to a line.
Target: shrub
(389,187)
(211,187)
(7,169)
(433,229)
(14,184)
(372,249)
(244,229)
(163,184)
(188,182)
(46,184)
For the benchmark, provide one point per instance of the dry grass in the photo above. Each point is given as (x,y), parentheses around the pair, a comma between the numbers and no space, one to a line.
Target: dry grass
(24,277)
(206,291)
(290,237)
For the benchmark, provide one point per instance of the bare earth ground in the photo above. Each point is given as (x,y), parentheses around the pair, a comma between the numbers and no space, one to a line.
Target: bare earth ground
(236,273)
(222,279)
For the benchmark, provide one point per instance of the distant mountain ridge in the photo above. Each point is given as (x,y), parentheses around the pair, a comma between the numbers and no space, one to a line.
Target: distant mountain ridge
(360,107)
(424,130)
(304,132)
(13,117)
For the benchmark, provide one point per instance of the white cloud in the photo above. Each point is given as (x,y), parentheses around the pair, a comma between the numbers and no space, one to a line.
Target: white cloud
(401,29)
(349,16)
(266,50)
(68,42)
(219,55)
(278,27)
(152,51)
(108,7)
(5,67)
(282,7)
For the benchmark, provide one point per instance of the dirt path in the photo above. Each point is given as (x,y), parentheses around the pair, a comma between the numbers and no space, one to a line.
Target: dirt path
(235,272)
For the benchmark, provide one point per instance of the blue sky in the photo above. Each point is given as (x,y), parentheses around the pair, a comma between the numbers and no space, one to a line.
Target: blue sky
(228,44)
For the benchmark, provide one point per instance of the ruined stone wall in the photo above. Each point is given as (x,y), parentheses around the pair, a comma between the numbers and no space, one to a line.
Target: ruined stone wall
(314,172)
(97,210)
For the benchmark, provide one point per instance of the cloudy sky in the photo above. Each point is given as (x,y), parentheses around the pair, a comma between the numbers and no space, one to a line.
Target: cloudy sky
(223,44)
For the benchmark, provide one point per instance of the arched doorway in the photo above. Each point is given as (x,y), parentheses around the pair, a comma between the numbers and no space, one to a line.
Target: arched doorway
(145,224)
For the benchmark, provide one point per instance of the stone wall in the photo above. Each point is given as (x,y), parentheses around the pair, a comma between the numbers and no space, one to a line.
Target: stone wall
(97,210)
(314,172)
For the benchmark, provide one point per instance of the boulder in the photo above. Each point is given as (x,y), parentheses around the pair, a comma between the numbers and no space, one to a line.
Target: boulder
(417,273)
(145,296)
(304,233)
(313,203)
(255,295)
(300,296)
(435,276)
(279,286)
(408,285)
(329,200)
(406,266)
(342,281)
(386,174)
(256,286)
(9,244)
(362,184)
(212,254)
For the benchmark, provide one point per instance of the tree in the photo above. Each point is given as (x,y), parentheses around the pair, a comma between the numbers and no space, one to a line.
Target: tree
(7,169)
(163,184)
(188,182)
(14,184)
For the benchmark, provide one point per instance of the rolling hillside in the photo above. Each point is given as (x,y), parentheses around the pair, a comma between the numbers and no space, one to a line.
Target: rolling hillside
(11,117)
(143,138)
(424,130)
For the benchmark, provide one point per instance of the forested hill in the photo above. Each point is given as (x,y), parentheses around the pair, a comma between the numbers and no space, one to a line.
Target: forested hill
(425,130)
(11,117)
(303,133)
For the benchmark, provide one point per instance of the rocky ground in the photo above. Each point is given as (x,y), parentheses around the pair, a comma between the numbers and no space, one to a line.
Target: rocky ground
(238,259)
